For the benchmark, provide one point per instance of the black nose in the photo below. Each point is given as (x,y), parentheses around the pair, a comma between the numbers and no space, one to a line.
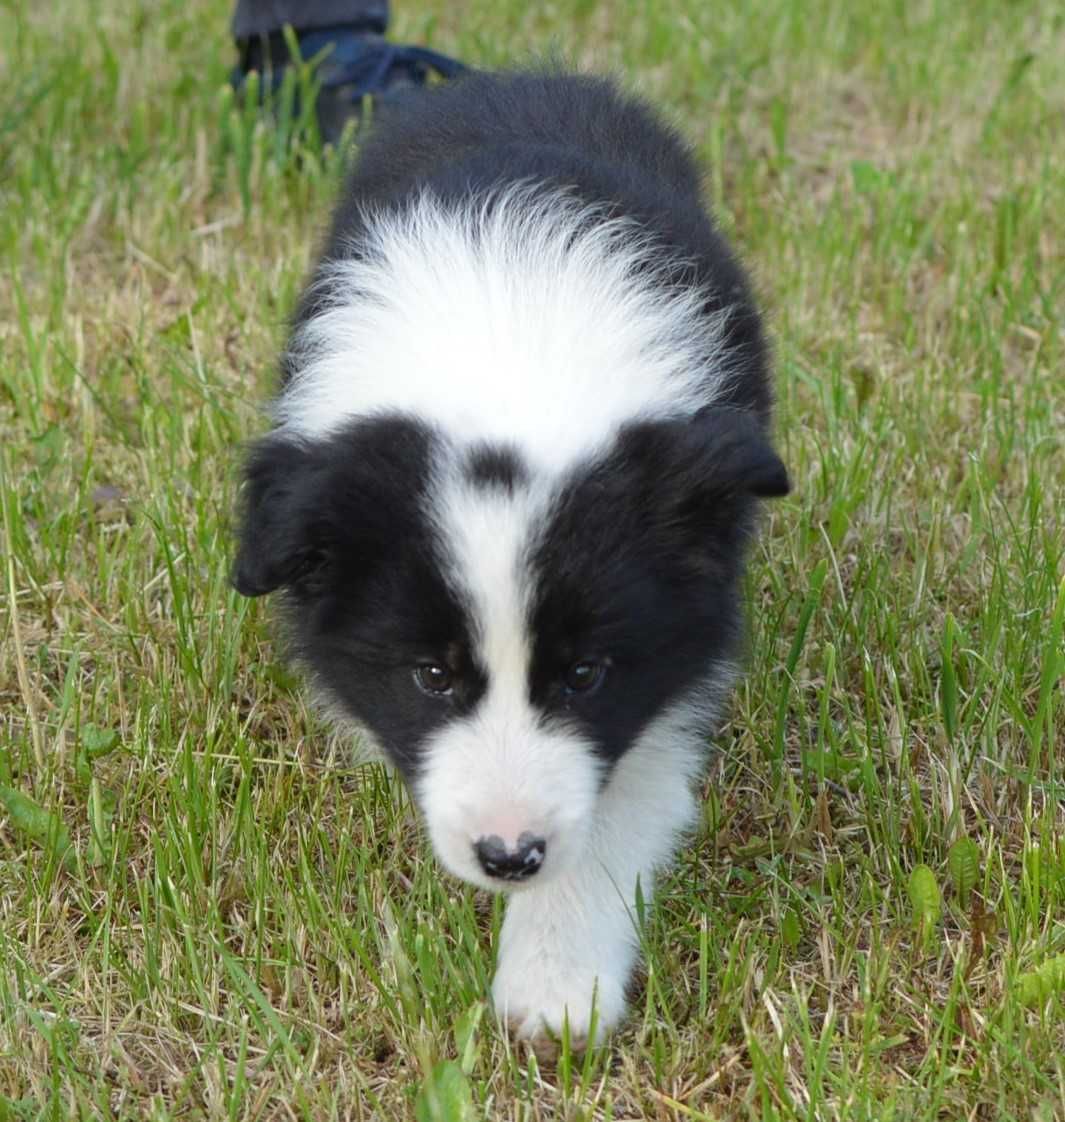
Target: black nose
(519,863)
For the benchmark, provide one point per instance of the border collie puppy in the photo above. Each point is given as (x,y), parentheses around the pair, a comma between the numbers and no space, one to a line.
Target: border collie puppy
(517,451)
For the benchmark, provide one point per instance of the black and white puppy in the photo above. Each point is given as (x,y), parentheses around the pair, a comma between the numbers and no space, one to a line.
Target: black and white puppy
(518,445)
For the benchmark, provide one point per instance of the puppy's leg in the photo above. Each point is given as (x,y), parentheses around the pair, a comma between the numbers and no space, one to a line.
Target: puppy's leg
(564,949)
(571,944)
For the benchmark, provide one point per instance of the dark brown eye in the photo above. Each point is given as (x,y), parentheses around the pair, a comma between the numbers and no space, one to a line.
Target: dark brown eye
(584,675)
(433,678)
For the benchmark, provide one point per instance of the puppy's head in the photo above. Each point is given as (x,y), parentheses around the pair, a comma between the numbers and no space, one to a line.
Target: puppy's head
(504,635)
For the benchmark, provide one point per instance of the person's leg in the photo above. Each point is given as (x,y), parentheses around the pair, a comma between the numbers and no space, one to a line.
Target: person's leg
(254,18)
(348,36)
(258,26)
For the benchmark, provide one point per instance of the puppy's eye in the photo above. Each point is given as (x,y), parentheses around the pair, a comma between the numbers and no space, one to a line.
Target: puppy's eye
(434,678)
(584,675)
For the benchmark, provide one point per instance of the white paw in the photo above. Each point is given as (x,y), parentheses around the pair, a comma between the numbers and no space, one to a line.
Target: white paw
(535,999)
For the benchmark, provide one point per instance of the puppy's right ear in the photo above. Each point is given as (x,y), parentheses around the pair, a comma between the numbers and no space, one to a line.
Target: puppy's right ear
(281,533)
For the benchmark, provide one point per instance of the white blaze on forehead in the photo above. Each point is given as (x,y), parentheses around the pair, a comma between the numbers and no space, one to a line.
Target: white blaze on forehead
(500,770)
(534,321)
(487,533)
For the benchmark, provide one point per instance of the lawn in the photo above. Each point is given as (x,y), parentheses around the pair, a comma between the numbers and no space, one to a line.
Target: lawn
(208,909)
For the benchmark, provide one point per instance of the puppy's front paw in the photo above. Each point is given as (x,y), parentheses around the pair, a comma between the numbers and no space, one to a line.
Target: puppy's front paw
(535,998)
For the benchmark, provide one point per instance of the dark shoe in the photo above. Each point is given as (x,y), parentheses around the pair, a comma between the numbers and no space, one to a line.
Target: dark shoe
(355,63)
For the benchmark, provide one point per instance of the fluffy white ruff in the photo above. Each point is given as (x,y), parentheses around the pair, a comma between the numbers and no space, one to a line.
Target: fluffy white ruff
(534,321)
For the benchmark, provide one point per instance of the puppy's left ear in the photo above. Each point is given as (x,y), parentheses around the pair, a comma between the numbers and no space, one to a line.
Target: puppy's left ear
(280,533)
(728,449)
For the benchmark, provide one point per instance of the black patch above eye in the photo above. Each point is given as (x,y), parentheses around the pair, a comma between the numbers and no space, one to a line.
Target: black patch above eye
(496,466)
(584,675)
(434,678)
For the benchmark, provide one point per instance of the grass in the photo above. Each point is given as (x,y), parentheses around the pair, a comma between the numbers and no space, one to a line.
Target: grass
(208,911)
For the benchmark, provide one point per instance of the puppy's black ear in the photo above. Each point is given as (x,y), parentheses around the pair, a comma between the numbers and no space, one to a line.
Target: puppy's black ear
(729,453)
(279,538)
(700,478)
